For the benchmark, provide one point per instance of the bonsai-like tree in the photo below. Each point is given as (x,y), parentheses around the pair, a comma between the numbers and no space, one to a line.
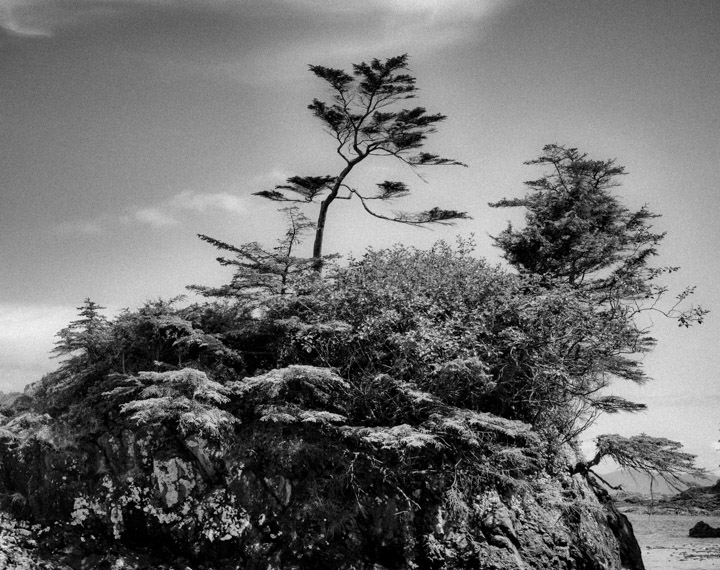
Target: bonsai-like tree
(363,119)
(653,456)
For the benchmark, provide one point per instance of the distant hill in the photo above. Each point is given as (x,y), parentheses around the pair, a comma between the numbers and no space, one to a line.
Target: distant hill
(703,499)
(634,482)
(8,399)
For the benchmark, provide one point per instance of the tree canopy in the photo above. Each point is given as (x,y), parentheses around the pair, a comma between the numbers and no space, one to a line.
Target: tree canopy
(579,238)
(653,456)
(575,227)
(83,340)
(259,270)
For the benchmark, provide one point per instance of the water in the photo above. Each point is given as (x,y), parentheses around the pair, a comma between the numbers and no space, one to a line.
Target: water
(666,545)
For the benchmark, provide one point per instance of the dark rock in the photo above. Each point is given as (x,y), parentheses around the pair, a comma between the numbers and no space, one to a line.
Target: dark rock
(274,497)
(704,530)
(630,553)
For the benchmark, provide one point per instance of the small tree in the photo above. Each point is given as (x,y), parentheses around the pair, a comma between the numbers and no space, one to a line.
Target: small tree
(259,271)
(575,227)
(361,121)
(86,339)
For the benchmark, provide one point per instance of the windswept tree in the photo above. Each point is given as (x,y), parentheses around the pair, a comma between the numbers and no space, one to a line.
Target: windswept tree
(364,120)
(652,456)
(581,245)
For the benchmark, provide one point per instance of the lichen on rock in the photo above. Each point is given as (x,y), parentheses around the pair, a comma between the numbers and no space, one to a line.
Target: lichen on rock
(327,495)
(175,479)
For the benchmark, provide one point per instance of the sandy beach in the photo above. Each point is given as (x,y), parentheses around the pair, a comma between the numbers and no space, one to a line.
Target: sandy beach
(666,545)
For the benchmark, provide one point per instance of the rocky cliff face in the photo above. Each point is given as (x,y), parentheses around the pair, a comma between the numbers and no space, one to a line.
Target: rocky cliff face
(293,491)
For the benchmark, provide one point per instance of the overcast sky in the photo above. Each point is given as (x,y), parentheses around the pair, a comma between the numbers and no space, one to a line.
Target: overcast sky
(130,126)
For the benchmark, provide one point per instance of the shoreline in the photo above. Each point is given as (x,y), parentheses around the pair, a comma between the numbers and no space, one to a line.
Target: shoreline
(665,543)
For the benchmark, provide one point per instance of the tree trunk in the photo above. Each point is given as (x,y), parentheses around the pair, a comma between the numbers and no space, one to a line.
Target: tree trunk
(320,232)
(322,216)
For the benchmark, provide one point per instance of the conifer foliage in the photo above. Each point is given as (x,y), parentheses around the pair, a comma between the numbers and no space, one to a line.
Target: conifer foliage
(84,339)
(575,226)
(259,270)
(364,121)
(654,456)
(581,245)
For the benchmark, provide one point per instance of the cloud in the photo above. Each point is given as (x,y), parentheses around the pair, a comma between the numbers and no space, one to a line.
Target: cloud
(14,18)
(40,18)
(419,25)
(448,9)
(154,217)
(168,213)
(163,215)
(190,26)
(272,178)
(201,203)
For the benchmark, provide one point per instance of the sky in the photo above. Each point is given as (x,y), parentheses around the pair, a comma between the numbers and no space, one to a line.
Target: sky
(131,126)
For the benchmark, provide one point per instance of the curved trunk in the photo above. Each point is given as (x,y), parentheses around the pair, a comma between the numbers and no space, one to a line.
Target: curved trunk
(322,216)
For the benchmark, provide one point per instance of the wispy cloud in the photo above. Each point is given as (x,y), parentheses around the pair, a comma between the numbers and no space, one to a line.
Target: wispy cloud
(40,18)
(390,23)
(155,217)
(455,9)
(170,212)
(419,24)
(271,178)
(201,203)
(16,18)
(165,214)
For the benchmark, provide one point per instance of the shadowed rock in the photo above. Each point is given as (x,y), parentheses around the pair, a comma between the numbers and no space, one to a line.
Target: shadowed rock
(704,530)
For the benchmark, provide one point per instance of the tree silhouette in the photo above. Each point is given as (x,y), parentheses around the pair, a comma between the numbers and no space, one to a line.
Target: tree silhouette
(363,119)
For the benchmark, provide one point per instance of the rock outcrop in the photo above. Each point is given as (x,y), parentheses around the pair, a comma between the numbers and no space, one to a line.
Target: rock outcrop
(704,530)
(304,491)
